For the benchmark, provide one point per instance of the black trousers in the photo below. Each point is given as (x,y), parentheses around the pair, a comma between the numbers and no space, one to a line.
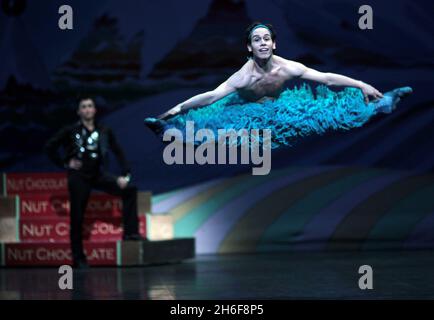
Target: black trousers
(79,187)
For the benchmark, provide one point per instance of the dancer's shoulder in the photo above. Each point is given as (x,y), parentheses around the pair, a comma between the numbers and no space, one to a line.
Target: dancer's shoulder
(246,68)
(240,78)
(293,68)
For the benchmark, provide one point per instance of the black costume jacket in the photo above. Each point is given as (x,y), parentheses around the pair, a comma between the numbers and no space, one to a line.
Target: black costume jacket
(66,138)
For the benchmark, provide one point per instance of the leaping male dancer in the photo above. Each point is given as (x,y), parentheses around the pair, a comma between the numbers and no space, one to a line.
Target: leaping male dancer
(257,91)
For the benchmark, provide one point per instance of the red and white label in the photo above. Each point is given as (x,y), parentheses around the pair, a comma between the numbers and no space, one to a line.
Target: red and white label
(20,183)
(54,254)
(94,229)
(55,205)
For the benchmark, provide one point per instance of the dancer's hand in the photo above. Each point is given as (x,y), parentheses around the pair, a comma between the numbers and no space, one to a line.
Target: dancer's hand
(171,112)
(369,90)
(122,182)
(74,164)
(174,110)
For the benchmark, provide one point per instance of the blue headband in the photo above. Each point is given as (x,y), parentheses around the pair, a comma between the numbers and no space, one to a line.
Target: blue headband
(258,26)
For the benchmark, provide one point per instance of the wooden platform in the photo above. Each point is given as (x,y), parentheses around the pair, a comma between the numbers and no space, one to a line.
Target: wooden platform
(151,252)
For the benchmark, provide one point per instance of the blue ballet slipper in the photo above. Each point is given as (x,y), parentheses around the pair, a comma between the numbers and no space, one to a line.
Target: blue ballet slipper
(390,99)
(156,125)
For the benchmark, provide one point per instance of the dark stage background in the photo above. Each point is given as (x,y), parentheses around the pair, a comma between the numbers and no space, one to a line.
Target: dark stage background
(140,58)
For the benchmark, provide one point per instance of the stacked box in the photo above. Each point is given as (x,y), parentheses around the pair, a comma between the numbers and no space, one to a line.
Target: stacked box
(34,223)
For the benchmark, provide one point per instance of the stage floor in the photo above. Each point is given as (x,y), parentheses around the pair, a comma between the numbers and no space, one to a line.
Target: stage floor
(319,275)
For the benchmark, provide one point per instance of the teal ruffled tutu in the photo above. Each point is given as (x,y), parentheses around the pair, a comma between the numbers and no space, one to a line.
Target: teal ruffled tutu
(296,113)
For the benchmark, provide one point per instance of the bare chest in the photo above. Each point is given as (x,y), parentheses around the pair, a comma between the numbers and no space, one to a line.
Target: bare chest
(260,86)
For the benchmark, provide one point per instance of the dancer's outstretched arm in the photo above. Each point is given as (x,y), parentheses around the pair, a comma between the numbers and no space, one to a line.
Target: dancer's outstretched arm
(206,98)
(332,79)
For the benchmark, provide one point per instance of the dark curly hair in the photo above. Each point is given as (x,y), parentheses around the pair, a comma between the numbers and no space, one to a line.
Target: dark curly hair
(82,97)
(249,30)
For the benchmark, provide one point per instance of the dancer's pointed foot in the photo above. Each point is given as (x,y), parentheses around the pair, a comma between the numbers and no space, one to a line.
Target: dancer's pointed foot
(156,125)
(391,98)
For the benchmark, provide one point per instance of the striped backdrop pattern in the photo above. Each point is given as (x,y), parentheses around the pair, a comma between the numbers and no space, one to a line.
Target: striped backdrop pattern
(306,208)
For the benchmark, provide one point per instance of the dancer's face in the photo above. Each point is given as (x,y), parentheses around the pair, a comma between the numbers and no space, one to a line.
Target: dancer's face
(86,109)
(261,44)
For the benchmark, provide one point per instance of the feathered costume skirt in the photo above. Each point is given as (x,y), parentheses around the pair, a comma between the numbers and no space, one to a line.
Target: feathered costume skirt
(296,113)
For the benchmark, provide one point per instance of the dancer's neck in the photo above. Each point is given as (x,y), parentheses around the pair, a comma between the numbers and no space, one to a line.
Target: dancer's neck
(263,65)
(89,124)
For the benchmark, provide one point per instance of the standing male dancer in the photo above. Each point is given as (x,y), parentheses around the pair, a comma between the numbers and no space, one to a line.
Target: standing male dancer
(86,144)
